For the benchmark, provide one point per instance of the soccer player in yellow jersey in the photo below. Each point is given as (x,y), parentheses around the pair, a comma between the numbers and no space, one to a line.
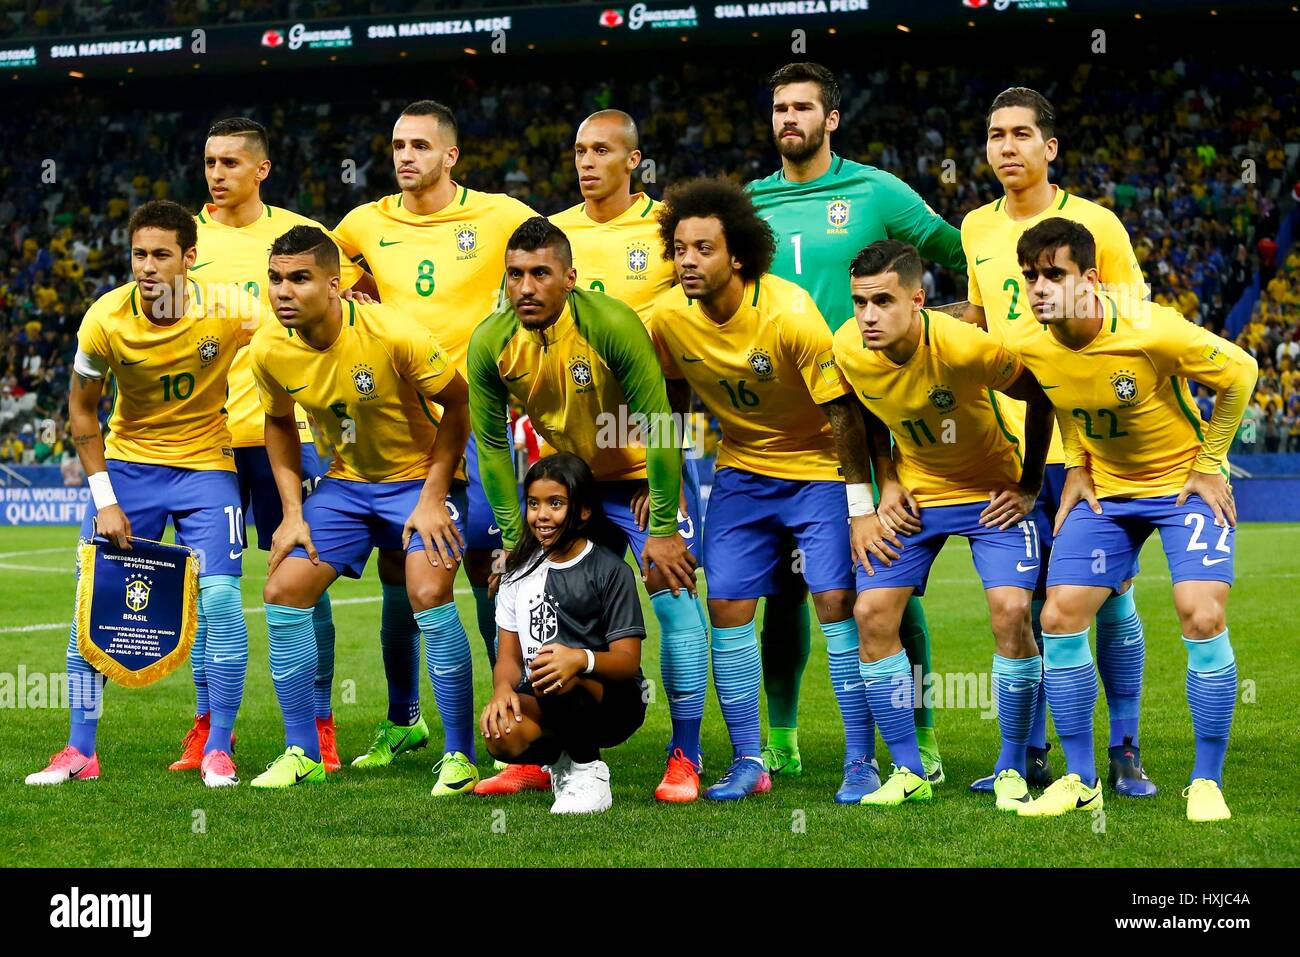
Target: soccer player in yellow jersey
(1139,458)
(435,250)
(1021,143)
(955,469)
(613,231)
(758,353)
(369,376)
(235,230)
(167,342)
(583,367)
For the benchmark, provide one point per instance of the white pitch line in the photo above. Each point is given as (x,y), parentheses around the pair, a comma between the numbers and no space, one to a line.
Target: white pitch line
(36,551)
(248,610)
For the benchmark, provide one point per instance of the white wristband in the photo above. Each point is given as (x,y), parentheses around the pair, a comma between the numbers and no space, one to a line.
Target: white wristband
(591,662)
(859,494)
(101,490)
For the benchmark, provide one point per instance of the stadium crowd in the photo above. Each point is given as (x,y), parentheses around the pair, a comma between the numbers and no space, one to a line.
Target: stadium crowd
(1193,159)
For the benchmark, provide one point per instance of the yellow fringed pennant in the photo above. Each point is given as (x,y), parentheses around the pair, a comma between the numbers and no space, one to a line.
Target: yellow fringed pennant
(137,610)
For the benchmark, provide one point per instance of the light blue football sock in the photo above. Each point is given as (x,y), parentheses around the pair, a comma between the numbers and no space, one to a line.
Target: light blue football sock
(446,649)
(293,671)
(891,692)
(737,676)
(225,655)
(1212,697)
(1071,683)
(684,665)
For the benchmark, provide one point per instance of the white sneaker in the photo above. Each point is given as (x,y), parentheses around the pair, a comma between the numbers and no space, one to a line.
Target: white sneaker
(558,772)
(585,789)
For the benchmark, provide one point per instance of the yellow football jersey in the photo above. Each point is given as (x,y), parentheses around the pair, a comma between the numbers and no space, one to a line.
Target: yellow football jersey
(229,254)
(762,373)
(1125,397)
(443,270)
(989,237)
(370,392)
(169,381)
(951,443)
(622,258)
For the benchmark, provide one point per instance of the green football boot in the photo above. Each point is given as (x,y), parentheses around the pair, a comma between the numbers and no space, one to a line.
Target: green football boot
(292,767)
(392,740)
(456,775)
(781,754)
(931,762)
(903,785)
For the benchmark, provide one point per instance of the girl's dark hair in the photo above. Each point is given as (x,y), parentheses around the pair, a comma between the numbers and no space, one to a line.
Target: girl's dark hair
(575,475)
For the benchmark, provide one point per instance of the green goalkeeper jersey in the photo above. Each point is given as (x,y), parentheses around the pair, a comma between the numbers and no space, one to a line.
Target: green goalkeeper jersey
(822,224)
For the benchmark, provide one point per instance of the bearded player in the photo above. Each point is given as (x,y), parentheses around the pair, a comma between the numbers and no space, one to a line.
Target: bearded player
(234,232)
(1021,144)
(1139,459)
(167,342)
(435,250)
(823,208)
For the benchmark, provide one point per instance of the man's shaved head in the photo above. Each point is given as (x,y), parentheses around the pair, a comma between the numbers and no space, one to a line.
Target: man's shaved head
(616,121)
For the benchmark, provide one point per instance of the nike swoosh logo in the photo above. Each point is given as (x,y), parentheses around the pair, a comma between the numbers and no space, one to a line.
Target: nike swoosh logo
(457,785)
(493,529)
(299,778)
(1022,567)
(722,700)
(281,676)
(1046,387)
(516,378)
(222,659)
(382,244)
(867,396)
(1132,641)
(1079,802)
(292,391)
(908,794)
(235,554)
(444,672)
(201,265)
(400,741)
(1207,561)
(132,362)
(854,687)
(980,262)
(686,358)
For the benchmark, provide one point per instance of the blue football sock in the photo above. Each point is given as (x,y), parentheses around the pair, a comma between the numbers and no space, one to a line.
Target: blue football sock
(850,692)
(85,698)
(201,703)
(1121,654)
(447,658)
(322,622)
(737,675)
(684,665)
(1038,730)
(1071,684)
(485,610)
(399,640)
(1017,682)
(293,670)
(1212,696)
(891,693)
(225,655)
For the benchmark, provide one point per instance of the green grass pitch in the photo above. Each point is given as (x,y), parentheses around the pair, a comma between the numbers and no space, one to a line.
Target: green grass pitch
(139,814)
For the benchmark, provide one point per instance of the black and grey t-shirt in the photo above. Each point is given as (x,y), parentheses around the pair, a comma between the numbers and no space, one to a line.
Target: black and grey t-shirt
(586,602)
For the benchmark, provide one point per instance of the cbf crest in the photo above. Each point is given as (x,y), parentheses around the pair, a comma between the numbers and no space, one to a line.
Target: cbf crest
(580,373)
(136,594)
(638,259)
(837,213)
(942,398)
(761,363)
(543,620)
(1126,387)
(466,241)
(209,349)
(363,378)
